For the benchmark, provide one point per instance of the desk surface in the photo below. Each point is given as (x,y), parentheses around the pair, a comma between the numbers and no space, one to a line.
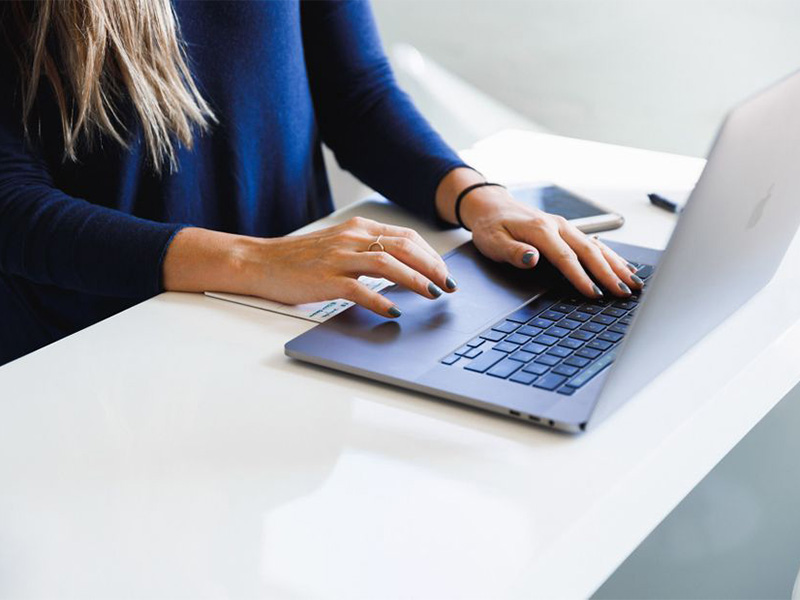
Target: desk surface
(174,451)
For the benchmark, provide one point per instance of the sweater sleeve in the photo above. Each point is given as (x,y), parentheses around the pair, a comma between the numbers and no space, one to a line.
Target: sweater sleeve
(368,122)
(49,237)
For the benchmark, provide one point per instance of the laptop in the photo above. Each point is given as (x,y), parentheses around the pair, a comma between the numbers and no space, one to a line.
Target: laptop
(526,345)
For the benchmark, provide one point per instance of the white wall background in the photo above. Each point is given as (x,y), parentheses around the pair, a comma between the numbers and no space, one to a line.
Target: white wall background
(656,74)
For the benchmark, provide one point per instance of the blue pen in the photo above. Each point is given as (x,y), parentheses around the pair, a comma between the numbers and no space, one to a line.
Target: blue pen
(664,203)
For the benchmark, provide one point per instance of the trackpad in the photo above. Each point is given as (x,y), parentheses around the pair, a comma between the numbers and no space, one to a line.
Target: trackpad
(486,291)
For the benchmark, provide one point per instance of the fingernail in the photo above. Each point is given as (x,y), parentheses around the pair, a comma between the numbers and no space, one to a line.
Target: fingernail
(631,267)
(395,312)
(636,279)
(451,283)
(624,288)
(528,257)
(434,289)
(597,291)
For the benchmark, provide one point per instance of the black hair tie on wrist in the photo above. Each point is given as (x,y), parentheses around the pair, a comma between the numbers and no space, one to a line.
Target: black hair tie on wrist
(466,191)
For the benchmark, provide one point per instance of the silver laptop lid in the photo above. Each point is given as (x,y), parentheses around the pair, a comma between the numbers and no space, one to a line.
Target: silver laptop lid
(728,243)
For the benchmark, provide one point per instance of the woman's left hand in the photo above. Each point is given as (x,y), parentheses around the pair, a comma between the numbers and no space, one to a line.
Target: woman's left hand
(507,230)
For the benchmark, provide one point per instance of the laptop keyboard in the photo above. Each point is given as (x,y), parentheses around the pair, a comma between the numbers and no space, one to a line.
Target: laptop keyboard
(557,342)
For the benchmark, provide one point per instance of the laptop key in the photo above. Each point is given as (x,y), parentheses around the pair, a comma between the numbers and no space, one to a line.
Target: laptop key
(552,315)
(476,342)
(610,336)
(565,370)
(549,381)
(624,304)
(523,377)
(566,390)
(535,368)
(588,353)
(506,326)
(577,361)
(584,376)
(492,335)
(451,359)
(562,307)
(645,271)
(599,344)
(504,368)
(534,348)
(463,350)
(580,316)
(614,312)
(522,356)
(557,332)
(547,340)
(518,338)
(569,323)
(603,319)
(591,309)
(559,351)
(548,359)
(529,330)
(472,353)
(619,328)
(584,336)
(571,343)
(593,327)
(505,347)
(485,361)
(541,323)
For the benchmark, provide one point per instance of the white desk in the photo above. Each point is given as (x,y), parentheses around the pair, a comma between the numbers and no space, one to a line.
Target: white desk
(174,451)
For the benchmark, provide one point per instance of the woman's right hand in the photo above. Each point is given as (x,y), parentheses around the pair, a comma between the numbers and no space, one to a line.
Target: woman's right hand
(322,265)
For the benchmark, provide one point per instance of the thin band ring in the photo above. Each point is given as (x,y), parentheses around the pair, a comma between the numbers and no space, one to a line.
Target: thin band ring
(377,243)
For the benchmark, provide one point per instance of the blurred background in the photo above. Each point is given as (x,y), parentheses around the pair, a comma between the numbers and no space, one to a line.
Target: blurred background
(656,74)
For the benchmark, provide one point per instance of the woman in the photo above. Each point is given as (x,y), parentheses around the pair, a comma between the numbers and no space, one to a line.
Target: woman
(149,146)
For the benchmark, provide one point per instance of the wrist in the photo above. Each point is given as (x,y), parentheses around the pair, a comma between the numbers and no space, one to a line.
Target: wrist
(201,260)
(481,203)
(450,187)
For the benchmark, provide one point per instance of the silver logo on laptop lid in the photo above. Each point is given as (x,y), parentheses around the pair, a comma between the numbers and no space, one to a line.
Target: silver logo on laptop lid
(758,210)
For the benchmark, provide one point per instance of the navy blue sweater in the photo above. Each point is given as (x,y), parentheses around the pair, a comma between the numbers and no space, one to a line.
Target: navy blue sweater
(81,241)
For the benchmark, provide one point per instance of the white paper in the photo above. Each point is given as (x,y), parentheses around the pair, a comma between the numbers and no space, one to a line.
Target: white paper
(313,311)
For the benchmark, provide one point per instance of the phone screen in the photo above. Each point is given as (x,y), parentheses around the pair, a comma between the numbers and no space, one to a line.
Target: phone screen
(556,200)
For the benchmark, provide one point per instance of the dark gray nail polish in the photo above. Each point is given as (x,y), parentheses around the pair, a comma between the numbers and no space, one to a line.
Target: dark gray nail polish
(597,291)
(636,279)
(528,257)
(395,312)
(434,289)
(624,288)
(451,283)
(631,267)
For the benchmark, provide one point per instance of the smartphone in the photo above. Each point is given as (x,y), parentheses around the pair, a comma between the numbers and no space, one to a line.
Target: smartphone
(586,215)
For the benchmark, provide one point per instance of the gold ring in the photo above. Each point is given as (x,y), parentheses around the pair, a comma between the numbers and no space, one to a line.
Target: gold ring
(377,243)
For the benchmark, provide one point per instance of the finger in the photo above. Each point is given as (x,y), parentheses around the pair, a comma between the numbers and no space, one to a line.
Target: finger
(355,291)
(374,228)
(624,270)
(519,254)
(564,258)
(383,264)
(594,261)
(410,253)
(408,233)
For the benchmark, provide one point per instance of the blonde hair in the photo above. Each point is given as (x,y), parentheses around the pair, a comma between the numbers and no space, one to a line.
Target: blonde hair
(96,54)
